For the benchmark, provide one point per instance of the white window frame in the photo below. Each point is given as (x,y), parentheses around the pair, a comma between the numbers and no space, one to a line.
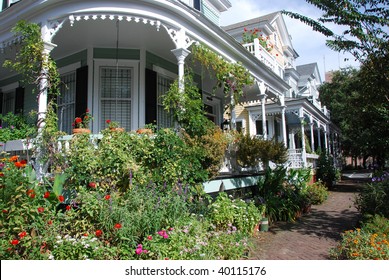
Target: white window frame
(214,102)
(98,63)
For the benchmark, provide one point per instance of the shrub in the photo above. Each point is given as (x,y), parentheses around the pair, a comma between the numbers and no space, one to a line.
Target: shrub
(326,171)
(251,150)
(374,198)
(17,126)
(317,193)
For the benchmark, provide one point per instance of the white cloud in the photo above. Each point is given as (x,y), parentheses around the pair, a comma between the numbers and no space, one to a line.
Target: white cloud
(310,45)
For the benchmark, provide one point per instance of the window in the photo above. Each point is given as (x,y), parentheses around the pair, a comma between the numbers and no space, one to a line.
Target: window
(277,129)
(259,127)
(239,126)
(211,107)
(66,102)
(115,90)
(8,102)
(164,118)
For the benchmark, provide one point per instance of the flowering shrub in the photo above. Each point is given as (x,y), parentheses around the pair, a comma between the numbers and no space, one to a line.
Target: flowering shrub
(227,212)
(198,239)
(368,243)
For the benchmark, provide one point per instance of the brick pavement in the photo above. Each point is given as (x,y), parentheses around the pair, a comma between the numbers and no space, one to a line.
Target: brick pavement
(311,236)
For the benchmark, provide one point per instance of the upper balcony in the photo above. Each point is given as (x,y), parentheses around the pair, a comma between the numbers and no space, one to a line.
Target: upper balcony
(265,57)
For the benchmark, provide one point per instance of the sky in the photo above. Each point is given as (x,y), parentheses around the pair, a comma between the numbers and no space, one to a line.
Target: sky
(310,45)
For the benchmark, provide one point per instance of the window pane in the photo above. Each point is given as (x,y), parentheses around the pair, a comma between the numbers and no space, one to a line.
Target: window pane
(66,102)
(115,88)
(164,118)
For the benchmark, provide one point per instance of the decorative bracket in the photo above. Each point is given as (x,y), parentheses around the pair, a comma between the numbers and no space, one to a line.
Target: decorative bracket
(179,37)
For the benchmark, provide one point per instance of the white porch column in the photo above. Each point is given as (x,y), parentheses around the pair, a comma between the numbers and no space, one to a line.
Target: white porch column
(283,120)
(43,87)
(325,139)
(318,135)
(312,137)
(181,54)
(304,151)
(292,144)
(263,96)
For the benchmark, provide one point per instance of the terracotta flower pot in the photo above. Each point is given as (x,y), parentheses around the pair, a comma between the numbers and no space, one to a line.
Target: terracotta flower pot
(118,129)
(144,131)
(81,130)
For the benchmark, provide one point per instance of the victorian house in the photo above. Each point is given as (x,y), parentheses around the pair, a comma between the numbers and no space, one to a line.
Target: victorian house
(118,57)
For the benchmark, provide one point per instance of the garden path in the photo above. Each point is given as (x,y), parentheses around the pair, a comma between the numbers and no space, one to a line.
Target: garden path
(311,236)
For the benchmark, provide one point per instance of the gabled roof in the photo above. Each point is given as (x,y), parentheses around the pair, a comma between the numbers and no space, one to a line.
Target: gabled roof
(265,18)
(308,71)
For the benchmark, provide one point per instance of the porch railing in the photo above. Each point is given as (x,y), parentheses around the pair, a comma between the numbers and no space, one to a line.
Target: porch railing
(295,158)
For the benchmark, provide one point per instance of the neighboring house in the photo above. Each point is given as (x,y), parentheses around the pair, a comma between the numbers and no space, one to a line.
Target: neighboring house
(297,114)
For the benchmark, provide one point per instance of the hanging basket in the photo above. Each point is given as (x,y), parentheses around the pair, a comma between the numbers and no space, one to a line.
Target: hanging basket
(81,130)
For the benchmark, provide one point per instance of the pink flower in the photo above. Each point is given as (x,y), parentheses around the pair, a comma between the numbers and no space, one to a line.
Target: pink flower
(138,251)
(41,209)
(165,236)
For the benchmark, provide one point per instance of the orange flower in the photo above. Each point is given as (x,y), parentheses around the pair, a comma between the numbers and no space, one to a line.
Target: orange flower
(13,158)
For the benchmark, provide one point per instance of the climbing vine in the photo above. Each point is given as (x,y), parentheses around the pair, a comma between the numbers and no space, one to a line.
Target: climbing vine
(30,60)
(232,77)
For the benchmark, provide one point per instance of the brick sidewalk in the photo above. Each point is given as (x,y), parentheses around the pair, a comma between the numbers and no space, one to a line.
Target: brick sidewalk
(311,236)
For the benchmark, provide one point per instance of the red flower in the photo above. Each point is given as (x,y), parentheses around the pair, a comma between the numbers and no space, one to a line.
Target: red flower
(1,174)
(19,164)
(98,232)
(46,195)
(5,211)
(50,222)
(108,121)
(23,161)
(149,237)
(78,120)
(61,198)
(87,110)
(22,234)
(118,226)
(92,185)
(107,197)
(68,207)
(15,242)
(85,234)
(41,209)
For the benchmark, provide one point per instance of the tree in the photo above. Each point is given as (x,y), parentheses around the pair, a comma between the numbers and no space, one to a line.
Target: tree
(365,24)
(359,111)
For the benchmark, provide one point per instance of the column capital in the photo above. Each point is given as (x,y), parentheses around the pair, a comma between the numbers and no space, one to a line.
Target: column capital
(181,54)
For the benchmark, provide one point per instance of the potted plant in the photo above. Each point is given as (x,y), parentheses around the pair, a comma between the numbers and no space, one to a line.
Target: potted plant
(114,126)
(81,124)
